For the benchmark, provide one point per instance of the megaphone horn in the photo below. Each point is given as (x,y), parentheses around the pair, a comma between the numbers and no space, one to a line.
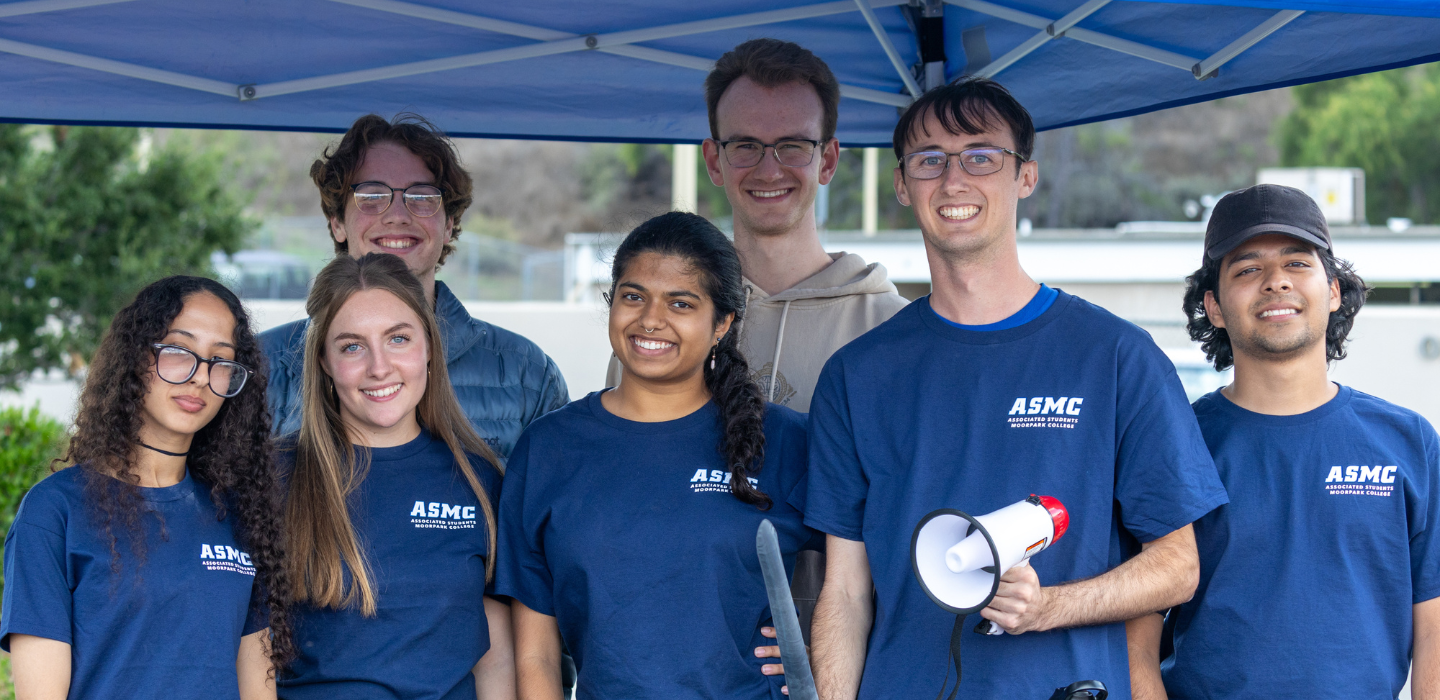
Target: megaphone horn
(959,559)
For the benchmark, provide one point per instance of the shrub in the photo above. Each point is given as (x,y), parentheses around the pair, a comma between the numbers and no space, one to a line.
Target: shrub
(29,441)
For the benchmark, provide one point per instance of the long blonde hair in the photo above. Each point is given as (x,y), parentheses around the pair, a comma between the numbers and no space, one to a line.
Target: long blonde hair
(320,536)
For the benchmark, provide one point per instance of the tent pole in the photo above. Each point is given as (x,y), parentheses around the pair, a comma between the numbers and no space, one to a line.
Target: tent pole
(929,25)
(889,48)
(1055,29)
(30,7)
(1125,46)
(106,65)
(683,181)
(1206,68)
(869,180)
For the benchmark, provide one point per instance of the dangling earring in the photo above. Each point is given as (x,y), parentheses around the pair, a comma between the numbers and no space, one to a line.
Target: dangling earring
(713,348)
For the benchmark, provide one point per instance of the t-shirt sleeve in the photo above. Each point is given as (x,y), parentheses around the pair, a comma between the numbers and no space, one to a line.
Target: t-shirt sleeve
(257,615)
(1164,476)
(37,584)
(521,571)
(795,457)
(1425,544)
(834,500)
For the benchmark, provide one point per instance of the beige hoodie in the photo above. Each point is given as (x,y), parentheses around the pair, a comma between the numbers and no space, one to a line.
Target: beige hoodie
(787,337)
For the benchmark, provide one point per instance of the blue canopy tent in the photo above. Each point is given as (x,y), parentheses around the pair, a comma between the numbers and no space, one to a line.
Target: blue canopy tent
(631,70)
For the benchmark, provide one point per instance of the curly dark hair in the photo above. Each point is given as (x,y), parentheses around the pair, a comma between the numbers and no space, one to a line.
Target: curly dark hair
(742,406)
(1216,341)
(231,454)
(334,171)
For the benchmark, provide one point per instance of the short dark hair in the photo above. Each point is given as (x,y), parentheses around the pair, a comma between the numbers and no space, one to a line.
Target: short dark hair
(1216,341)
(971,106)
(334,171)
(771,62)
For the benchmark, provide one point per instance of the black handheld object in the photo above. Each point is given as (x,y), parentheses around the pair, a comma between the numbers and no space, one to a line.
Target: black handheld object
(782,613)
(1081,690)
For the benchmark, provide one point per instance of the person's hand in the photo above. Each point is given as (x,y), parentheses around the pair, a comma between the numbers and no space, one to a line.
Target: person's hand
(771,653)
(1021,603)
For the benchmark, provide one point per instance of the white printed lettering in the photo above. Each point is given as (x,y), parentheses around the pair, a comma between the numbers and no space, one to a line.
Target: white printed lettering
(1352,474)
(468,512)
(418,510)
(1370,474)
(1073,407)
(434,510)
(700,475)
(450,511)
(1056,406)
(1035,405)
(206,552)
(717,476)
(1334,475)
(1387,476)
(1019,408)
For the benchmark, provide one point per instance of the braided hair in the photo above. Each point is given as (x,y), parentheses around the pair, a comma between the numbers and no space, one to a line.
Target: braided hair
(740,403)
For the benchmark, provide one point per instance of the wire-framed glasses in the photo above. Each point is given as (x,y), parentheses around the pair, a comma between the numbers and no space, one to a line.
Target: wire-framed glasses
(747,153)
(928,165)
(177,365)
(374,198)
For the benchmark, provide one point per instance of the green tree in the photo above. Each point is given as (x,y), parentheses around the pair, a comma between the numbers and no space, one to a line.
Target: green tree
(1386,123)
(86,219)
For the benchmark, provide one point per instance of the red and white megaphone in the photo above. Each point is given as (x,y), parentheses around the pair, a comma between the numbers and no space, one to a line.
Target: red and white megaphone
(959,559)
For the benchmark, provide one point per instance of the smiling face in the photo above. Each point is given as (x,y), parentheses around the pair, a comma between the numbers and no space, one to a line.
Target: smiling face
(172,413)
(375,352)
(770,198)
(1274,300)
(662,323)
(962,215)
(418,241)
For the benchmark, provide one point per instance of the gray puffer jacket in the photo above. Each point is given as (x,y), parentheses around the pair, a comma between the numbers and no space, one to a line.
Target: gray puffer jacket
(503,380)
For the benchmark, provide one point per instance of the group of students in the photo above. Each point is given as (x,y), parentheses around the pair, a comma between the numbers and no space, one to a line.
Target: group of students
(392,499)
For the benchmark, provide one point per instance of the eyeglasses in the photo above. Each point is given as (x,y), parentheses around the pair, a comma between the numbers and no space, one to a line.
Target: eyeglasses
(928,165)
(375,197)
(747,153)
(177,365)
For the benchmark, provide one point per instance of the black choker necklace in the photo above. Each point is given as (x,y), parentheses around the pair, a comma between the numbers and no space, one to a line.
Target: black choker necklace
(165,452)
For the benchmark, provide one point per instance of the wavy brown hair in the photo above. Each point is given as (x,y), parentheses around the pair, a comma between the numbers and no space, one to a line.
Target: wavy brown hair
(231,454)
(334,171)
(327,562)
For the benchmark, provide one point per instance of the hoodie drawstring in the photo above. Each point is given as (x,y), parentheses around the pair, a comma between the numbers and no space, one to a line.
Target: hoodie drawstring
(779,343)
(741,330)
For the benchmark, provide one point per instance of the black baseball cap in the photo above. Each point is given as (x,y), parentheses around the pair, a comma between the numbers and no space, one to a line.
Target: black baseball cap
(1256,211)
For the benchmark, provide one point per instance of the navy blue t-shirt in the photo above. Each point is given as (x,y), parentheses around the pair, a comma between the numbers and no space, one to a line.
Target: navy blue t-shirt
(627,533)
(1040,303)
(918,415)
(169,628)
(1308,576)
(425,539)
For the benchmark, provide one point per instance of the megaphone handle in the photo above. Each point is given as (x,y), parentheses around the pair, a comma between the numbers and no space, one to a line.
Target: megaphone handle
(988,627)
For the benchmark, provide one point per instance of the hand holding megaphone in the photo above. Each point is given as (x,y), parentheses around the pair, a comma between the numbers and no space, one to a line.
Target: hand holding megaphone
(960,559)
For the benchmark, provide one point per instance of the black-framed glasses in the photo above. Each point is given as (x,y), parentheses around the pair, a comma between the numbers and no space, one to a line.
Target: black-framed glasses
(928,165)
(177,365)
(374,198)
(747,153)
